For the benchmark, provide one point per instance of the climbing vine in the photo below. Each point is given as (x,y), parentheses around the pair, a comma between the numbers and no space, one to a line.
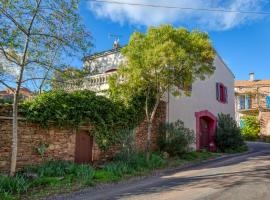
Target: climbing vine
(106,117)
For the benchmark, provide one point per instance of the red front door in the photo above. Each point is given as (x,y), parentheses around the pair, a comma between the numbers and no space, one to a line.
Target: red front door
(204,134)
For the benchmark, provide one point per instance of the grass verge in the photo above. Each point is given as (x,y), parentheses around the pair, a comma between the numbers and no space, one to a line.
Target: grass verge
(53,177)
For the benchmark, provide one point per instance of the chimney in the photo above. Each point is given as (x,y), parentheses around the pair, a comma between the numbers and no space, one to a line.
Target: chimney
(251,76)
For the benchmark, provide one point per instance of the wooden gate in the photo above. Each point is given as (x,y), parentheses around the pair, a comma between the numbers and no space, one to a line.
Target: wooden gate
(83,149)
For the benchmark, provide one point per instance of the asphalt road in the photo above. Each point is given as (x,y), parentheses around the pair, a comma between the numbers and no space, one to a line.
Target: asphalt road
(239,177)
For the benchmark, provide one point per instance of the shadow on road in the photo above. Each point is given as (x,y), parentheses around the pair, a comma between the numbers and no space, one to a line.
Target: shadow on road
(253,168)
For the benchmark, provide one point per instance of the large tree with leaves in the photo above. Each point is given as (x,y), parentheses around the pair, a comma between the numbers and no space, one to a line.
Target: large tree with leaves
(164,59)
(38,36)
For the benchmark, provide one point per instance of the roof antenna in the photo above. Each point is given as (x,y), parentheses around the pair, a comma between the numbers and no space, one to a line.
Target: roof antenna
(116,43)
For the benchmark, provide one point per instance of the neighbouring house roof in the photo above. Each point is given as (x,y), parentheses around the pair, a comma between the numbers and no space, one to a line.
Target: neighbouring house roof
(245,83)
(24,91)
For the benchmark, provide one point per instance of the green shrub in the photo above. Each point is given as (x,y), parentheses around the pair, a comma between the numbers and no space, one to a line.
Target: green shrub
(229,138)
(59,168)
(6,196)
(156,161)
(105,176)
(175,138)
(44,181)
(251,128)
(107,117)
(137,162)
(10,185)
(127,141)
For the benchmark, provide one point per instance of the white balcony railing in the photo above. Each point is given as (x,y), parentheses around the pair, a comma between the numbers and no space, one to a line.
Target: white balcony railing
(97,82)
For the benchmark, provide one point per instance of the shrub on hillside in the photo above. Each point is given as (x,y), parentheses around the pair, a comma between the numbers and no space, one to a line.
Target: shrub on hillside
(175,138)
(229,138)
(251,128)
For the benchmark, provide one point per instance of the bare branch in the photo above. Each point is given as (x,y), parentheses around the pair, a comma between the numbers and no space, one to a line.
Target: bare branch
(20,27)
(3,83)
(8,56)
(50,36)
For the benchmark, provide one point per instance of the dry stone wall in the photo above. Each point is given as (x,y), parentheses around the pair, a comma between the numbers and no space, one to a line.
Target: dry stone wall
(61,143)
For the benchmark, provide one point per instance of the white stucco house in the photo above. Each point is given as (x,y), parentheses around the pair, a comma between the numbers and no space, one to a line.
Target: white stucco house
(199,111)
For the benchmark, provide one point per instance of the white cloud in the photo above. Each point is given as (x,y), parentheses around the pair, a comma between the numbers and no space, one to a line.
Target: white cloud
(154,16)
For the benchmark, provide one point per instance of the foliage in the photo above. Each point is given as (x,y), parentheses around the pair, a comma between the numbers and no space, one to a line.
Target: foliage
(229,138)
(49,33)
(162,59)
(17,184)
(58,168)
(166,57)
(107,118)
(127,141)
(6,101)
(41,149)
(70,75)
(175,138)
(64,174)
(36,38)
(251,128)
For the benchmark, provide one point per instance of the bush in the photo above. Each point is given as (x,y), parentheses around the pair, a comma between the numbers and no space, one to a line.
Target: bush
(10,185)
(58,168)
(175,139)
(229,138)
(106,117)
(251,128)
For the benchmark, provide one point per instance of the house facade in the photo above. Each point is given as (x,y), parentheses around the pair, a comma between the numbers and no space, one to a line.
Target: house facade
(199,111)
(7,94)
(252,97)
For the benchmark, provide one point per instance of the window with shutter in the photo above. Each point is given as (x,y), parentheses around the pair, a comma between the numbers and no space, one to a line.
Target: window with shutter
(241,102)
(221,93)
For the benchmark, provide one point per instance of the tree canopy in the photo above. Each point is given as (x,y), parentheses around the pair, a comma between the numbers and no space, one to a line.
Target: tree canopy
(164,59)
(36,38)
(42,36)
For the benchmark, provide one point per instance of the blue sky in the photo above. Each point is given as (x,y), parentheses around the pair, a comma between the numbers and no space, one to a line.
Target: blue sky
(243,41)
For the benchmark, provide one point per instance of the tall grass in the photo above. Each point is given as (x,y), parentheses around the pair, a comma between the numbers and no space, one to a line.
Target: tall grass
(62,173)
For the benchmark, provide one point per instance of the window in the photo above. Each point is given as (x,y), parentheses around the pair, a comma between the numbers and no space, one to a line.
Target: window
(222,93)
(245,102)
(242,102)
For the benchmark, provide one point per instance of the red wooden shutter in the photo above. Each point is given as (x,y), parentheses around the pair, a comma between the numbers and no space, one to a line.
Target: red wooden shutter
(218,91)
(226,94)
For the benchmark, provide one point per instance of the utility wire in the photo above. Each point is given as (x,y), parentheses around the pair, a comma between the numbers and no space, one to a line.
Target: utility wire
(181,8)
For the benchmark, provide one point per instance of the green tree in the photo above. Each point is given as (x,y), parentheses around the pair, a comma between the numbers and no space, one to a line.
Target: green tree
(229,138)
(37,36)
(251,128)
(70,75)
(164,59)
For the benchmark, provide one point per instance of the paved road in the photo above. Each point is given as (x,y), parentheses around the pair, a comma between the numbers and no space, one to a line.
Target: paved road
(241,177)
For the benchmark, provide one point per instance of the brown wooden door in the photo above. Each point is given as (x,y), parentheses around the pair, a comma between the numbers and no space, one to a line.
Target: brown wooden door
(204,136)
(83,149)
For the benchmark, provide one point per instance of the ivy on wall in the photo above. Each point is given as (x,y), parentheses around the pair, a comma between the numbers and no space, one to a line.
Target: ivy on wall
(106,117)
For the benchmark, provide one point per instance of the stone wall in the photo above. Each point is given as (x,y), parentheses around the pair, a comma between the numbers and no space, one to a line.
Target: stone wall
(61,142)
(265,123)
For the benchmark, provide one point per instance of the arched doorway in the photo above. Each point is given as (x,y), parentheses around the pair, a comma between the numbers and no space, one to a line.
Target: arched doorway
(206,124)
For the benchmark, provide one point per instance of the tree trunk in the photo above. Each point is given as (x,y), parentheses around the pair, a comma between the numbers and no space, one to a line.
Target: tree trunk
(148,143)
(149,128)
(14,134)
